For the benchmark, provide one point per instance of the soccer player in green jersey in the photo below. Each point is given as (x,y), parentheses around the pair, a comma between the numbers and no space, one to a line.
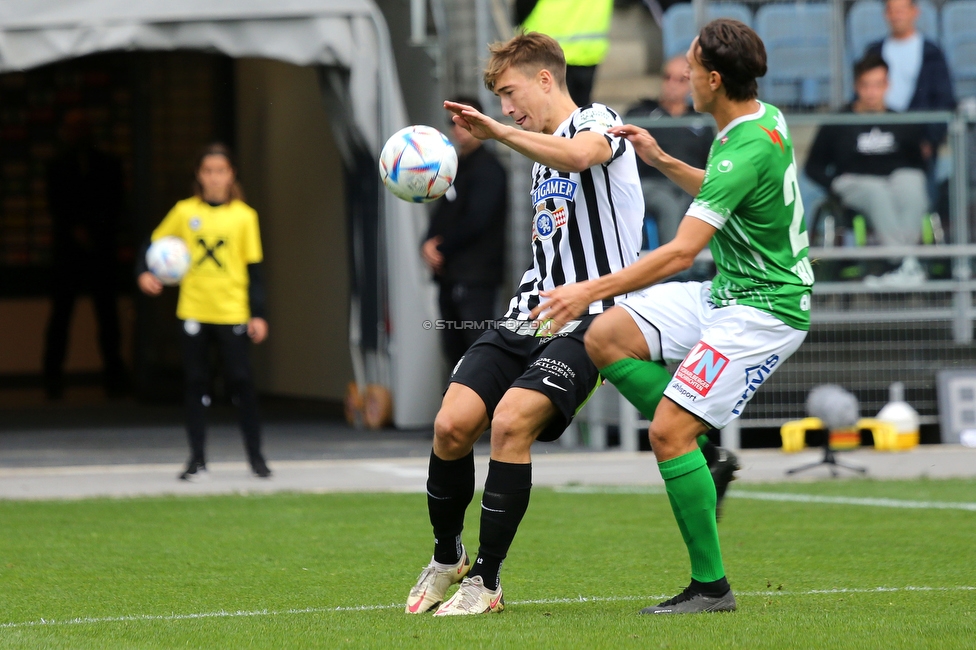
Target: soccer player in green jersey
(729,334)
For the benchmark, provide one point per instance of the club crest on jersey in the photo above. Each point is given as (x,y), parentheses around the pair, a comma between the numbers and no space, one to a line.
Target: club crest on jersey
(555,188)
(702,368)
(545,224)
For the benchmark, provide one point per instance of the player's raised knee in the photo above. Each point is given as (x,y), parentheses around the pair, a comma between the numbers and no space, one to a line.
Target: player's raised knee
(453,434)
(660,435)
(507,422)
(599,342)
(511,429)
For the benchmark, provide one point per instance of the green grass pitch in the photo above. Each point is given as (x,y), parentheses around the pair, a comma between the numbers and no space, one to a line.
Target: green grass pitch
(290,571)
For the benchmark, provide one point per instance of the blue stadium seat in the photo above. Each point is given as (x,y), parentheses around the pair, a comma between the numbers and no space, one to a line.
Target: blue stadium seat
(797,38)
(678,26)
(959,43)
(866,24)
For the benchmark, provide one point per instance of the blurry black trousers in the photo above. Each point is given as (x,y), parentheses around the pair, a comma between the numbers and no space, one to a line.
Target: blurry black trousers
(232,341)
(72,275)
(462,307)
(579,82)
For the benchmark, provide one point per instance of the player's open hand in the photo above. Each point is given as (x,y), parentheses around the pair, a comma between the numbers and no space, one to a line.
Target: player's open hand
(473,121)
(562,304)
(644,143)
(149,284)
(257,329)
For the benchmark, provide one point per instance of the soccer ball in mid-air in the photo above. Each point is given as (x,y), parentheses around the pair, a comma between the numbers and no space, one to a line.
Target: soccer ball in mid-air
(169,259)
(418,164)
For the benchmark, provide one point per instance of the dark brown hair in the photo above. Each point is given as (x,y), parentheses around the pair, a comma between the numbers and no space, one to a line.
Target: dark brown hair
(870,61)
(736,53)
(529,52)
(217,149)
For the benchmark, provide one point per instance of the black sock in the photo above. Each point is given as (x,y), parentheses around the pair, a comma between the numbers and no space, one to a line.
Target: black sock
(715,589)
(506,498)
(450,488)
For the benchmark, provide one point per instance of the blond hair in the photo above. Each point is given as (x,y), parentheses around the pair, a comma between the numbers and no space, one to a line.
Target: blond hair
(529,52)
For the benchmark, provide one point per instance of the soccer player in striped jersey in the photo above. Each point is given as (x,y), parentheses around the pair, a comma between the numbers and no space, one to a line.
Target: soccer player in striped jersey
(524,381)
(729,334)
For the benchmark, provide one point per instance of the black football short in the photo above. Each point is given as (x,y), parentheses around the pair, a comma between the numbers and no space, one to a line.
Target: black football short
(514,357)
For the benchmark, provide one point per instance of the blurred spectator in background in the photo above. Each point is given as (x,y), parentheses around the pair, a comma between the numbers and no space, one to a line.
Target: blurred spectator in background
(877,170)
(918,73)
(664,200)
(465,244)
(582,29)
(85,190)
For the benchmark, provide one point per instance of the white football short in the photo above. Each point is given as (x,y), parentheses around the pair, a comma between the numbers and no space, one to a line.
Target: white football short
(726,353)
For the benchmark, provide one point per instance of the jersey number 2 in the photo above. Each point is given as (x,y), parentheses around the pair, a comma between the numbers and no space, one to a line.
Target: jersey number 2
(791,194)
(798,240)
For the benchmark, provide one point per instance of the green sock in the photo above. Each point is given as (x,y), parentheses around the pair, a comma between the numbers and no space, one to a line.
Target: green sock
(703,440)
(641,382)
(692,494)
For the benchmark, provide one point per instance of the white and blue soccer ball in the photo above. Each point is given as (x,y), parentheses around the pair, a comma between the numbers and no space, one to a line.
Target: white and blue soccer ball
(168,259)
(418,164)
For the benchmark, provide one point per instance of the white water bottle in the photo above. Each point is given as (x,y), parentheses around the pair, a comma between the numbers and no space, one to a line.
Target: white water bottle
(900,413)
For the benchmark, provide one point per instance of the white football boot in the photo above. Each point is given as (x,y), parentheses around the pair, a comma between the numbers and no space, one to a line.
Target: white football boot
(473,598)
(433,583)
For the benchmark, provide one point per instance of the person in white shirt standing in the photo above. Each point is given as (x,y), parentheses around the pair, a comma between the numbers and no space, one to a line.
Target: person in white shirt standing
(918,75)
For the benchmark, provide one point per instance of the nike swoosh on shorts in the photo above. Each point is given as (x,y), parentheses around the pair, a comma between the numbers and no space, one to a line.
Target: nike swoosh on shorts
(547,382)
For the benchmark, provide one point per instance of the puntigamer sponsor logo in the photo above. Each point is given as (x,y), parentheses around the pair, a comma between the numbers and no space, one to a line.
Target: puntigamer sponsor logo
(555,188)
(701,368)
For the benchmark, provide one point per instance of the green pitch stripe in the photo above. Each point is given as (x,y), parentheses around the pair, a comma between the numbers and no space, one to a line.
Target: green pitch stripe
(782,496)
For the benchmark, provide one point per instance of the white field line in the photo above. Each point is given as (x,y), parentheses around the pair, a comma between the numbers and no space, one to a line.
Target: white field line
(785,496)
(368,608)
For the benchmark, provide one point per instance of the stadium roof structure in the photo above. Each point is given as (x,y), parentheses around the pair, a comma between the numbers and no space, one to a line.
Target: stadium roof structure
(349,42)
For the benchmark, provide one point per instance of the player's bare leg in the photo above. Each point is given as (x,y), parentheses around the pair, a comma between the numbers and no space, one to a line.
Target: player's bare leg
(450,487)
(674,433)
(620,350)
(519,419)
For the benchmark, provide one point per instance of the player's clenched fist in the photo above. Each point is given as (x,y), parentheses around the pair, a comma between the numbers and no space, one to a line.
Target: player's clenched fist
(149,284)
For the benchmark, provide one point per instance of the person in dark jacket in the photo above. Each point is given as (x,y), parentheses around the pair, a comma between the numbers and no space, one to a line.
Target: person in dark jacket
(875,169)
(918,76)
(464,246)
(86,189)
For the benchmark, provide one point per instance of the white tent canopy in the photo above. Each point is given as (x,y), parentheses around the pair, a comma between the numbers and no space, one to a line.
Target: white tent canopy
(349,37)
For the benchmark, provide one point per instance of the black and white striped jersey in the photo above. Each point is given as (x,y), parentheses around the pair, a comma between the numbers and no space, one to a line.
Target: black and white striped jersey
(585,224)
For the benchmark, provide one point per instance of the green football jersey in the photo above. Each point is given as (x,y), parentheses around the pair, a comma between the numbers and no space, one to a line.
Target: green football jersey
(750,194)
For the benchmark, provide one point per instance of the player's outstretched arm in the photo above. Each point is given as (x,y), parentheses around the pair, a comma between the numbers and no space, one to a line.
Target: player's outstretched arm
(680,173)
(575,154)
(567,302)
